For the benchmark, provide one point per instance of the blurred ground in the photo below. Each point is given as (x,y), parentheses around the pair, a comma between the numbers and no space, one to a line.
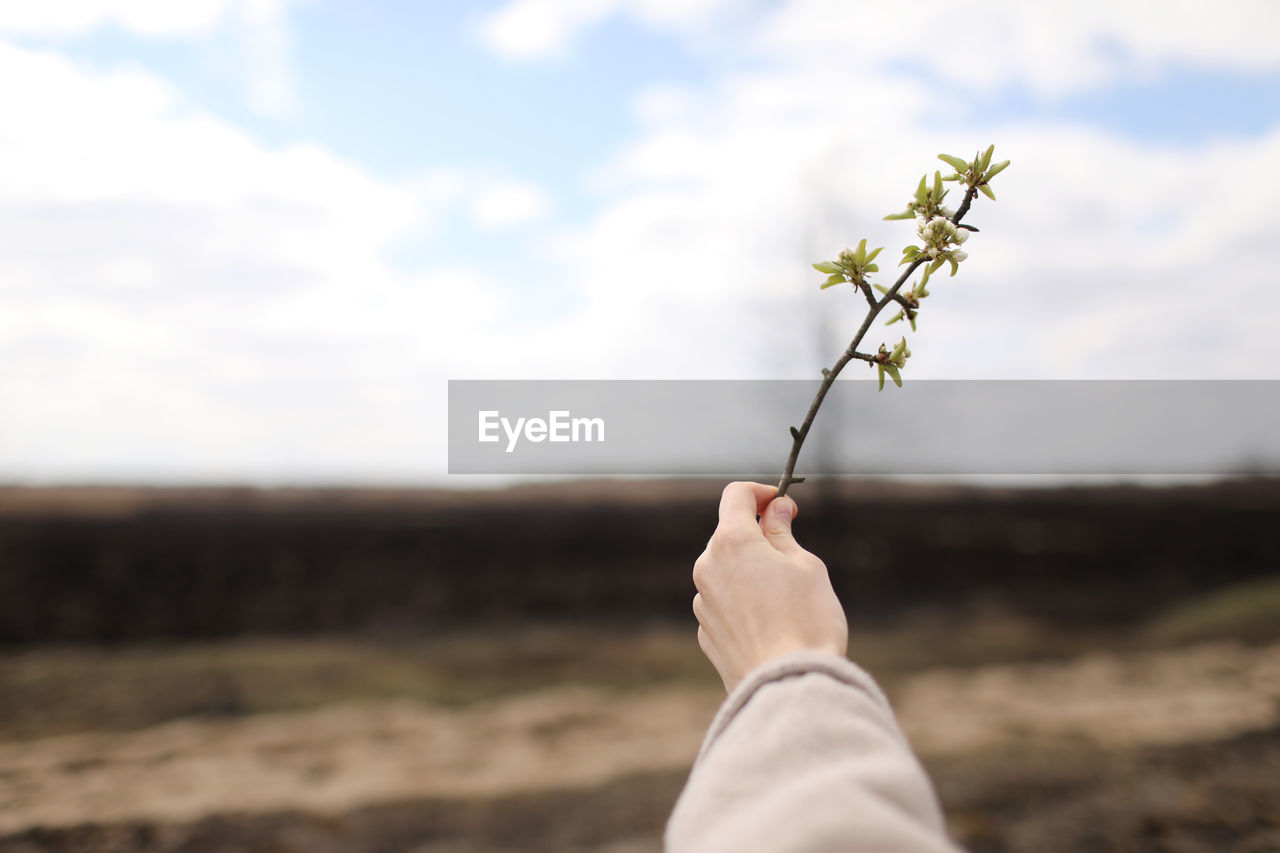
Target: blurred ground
(1156,731)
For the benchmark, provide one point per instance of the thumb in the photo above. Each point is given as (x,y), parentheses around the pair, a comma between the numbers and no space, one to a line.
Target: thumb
(776,524)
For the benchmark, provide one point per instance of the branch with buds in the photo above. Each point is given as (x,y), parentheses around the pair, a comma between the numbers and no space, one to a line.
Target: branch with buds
(941,234)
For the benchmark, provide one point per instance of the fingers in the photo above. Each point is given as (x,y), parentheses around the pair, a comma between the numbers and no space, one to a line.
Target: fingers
(742,502)
(776,524)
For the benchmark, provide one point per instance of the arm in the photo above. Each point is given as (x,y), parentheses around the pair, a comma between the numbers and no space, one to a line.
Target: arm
(805,753)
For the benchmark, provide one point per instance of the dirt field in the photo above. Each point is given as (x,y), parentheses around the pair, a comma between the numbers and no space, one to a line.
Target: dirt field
(1027,755)
(1151,722)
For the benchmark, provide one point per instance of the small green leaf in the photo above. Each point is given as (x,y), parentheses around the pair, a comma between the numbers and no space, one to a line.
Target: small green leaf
(922,191)
(924,280)
(986,190)
(871,268)
(881,288)
(906,214)
(986,158)
(860,256)
(955,265)
(936,265)
(827,267)
(996,169)
(954,162)
(896,318)
(871,257)
(832,281)
(937,186)
(893,372)
(912,320)
(880,371)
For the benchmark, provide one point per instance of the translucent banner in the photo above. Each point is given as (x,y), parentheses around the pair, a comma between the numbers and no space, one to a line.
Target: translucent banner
(927,427)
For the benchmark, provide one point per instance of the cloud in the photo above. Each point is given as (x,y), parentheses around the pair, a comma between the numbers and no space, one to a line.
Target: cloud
(1105,257)
(260,28)
(152,18)
(179,296)
(505,204)
(180,299)
(1052,48)
(487,201)
(542,29)
(145,17)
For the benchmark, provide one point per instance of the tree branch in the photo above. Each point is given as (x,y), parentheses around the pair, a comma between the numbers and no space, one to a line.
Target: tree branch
(798,435)
(866,291)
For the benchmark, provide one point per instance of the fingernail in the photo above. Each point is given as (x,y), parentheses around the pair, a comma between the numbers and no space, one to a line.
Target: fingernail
(783,508)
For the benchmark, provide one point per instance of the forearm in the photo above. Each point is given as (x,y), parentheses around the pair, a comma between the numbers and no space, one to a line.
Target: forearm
(805,754)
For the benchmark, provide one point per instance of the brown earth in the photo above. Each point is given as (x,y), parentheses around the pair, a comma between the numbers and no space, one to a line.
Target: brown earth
(1139,745)
(117,565)
(368,670)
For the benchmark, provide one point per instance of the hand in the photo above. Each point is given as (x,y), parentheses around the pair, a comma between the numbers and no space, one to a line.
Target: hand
(761,595)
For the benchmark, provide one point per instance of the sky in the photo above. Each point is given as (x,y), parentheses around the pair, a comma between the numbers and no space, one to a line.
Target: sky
(252,240)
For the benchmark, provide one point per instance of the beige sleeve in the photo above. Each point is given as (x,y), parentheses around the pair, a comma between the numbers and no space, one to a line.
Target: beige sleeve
(805,755)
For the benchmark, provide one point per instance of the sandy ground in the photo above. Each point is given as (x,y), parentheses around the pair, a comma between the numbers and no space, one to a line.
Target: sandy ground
(335,759)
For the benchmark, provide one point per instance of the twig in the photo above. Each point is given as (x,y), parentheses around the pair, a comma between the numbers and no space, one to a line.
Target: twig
(875,306)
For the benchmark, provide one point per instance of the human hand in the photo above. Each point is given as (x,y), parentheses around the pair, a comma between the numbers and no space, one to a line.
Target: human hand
(761,595)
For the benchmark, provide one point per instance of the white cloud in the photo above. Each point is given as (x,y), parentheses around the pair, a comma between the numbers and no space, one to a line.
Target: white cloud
(146,17)
(1053,47)
(153,18)
(205,303)
(178,297)
(541,29)
(504,204)
(487,201)
(260,28)
(1106,256)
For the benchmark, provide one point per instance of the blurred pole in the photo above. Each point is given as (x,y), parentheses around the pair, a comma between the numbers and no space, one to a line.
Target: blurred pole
(822,241)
